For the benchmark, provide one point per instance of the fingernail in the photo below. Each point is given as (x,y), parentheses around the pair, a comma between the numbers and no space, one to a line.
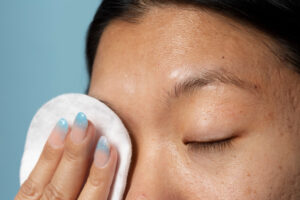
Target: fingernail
(78,132)
(57,137)
(102,152)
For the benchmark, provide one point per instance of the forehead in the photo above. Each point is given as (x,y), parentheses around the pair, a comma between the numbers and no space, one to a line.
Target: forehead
(166,38)
(171,43)
(136,63)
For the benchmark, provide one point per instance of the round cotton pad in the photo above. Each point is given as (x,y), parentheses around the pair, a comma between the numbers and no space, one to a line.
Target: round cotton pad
(67,106)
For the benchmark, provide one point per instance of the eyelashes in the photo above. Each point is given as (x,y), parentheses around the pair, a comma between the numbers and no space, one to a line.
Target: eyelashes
(211,146)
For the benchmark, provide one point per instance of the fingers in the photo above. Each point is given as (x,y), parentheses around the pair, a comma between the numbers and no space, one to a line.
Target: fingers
(70,174)
(42,173)
(62,171)
(101,173)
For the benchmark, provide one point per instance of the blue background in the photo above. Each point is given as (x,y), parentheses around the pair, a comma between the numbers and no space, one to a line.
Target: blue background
(41,56)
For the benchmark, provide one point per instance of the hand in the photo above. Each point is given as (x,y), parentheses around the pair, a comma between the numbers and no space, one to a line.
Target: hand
(69,166)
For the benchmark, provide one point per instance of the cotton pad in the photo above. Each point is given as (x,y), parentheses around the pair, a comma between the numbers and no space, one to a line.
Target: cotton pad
(67,106)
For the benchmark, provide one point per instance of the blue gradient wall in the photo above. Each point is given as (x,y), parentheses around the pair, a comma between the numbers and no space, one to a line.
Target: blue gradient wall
(41,56)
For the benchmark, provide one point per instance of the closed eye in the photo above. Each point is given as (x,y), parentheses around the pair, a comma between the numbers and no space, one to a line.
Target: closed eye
(217,145)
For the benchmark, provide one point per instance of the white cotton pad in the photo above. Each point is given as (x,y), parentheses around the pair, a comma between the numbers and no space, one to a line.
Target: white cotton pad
(67,106)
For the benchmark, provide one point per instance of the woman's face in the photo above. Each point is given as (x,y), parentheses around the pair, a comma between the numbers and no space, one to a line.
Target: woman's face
(183,78)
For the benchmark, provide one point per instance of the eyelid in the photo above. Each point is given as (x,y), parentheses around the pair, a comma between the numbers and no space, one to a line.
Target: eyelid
(214,145)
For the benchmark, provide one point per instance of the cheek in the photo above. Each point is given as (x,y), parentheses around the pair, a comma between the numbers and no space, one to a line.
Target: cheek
(271,169)
(259,168)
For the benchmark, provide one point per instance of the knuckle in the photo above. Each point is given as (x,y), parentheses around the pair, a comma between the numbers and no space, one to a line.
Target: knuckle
(96,182)
(96,179)
(53,193)
(29,190)
(71,154)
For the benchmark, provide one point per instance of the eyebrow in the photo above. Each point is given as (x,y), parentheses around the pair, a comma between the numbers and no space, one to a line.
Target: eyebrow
(196,82)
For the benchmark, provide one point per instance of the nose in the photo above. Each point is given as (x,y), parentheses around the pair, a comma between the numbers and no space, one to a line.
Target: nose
(138,197)
(144,177)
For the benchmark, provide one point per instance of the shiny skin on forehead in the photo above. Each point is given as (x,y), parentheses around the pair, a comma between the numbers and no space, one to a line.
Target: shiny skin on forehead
(166,46)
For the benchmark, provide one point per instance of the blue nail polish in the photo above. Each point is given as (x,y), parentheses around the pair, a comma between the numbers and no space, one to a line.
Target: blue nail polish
(81,120)
(103,145)
(62,124)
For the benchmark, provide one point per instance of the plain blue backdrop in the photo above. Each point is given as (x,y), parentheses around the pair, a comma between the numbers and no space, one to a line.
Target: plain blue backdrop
(41,56)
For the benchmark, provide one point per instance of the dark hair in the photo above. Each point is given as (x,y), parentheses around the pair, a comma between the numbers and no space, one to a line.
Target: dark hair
(278,18)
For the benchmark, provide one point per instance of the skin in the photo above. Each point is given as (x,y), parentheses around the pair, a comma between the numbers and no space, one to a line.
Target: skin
(138,64)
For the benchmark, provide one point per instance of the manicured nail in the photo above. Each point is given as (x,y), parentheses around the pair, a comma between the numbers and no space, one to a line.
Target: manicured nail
(102,152)
(57,137)
(81,121)
(78,132)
